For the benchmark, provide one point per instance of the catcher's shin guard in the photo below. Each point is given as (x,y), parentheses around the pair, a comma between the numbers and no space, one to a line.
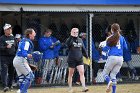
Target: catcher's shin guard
(21,79)
(26,82)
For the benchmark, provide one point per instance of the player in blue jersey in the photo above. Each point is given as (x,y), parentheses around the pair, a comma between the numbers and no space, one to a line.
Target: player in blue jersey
(20,62)
(114,60)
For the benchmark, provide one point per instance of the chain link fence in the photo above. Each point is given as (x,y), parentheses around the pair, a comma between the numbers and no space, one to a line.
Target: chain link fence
(61,24)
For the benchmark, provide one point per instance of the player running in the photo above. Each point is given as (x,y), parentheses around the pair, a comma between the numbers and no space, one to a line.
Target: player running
(115,57)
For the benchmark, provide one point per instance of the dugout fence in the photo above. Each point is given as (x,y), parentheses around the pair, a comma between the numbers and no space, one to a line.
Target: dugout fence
(94,24)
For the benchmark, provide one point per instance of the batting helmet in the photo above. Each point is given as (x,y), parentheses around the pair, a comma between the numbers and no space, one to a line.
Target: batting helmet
(37,56)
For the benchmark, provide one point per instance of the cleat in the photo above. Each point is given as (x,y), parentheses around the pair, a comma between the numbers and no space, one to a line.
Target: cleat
(136,78)
(5,89)
(85,90)
(77,83)
(18,91)
(11,89)
(70,90)
(14,84)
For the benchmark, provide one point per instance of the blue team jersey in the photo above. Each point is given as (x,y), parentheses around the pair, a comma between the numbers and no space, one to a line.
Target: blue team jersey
(118,49)
(25,47)
(45,44)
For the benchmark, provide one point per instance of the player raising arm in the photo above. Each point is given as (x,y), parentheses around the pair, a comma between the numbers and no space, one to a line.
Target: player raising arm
(75,58)
(115,46)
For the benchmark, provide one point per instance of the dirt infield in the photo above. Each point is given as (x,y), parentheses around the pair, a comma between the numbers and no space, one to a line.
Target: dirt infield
(121,88)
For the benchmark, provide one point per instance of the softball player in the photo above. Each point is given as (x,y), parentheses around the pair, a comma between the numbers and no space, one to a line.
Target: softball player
(114,60)
(20,62)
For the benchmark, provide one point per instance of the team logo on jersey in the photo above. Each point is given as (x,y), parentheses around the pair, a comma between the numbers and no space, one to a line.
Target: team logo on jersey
(77,44)
(10,42)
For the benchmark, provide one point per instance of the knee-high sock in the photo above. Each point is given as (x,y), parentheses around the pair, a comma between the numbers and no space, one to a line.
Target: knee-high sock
(107,78)
(114,86)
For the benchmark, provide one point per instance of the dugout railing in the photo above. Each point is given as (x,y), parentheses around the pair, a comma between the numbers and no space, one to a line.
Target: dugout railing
(59,73)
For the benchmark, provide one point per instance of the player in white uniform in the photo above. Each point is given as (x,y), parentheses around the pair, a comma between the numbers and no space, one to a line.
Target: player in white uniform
(114,60)
(20,62)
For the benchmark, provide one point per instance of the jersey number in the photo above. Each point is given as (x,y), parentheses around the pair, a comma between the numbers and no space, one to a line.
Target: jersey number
(118,45)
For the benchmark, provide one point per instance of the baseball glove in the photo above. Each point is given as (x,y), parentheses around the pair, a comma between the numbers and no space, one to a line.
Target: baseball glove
(113,39)
(33,67)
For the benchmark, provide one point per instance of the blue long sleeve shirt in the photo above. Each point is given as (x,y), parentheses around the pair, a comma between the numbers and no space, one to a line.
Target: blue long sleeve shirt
(118,49)
(45,44)
(25,47)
